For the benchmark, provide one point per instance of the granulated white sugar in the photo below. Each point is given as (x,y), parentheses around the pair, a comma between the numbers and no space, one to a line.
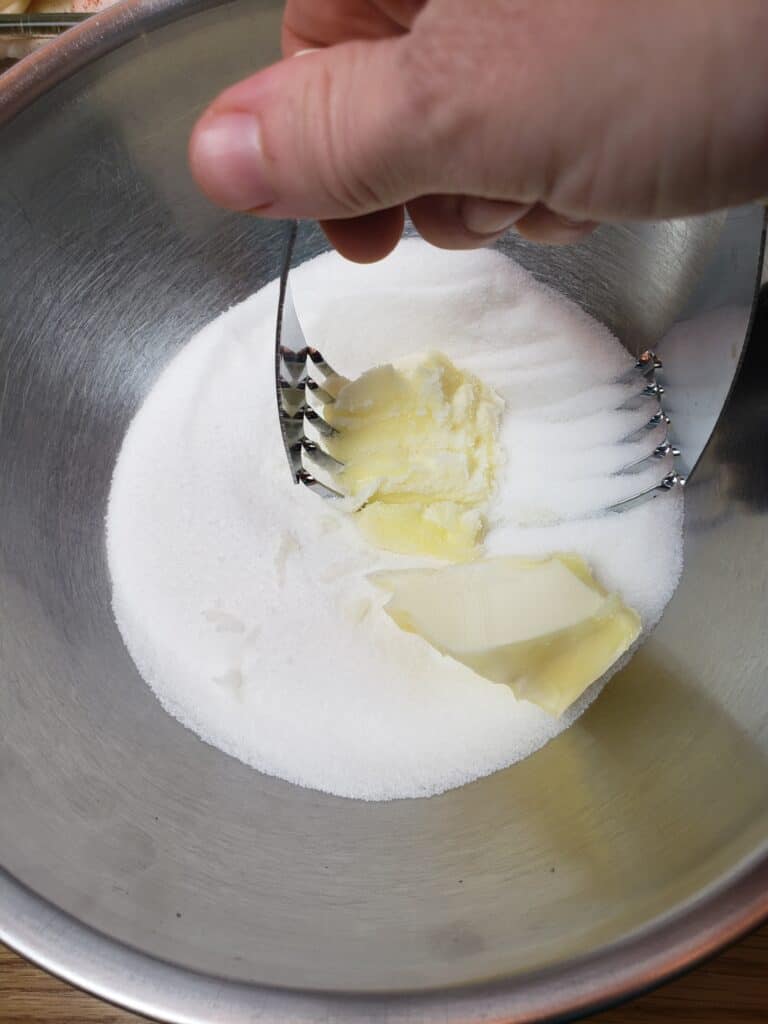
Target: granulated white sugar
(244,600)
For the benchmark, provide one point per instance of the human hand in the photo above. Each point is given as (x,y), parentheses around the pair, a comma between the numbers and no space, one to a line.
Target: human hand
(546,114)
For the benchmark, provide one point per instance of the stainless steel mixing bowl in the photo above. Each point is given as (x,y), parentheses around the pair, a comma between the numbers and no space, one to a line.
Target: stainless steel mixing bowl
(161,874)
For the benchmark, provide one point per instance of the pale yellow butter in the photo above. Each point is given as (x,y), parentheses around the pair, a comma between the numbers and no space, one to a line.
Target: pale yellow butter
(419,447)
(545,627)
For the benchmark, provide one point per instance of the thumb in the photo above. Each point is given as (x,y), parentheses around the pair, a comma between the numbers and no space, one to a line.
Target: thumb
(322,136)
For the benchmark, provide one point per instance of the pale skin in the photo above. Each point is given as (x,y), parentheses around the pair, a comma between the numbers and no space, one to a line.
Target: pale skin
(551,116)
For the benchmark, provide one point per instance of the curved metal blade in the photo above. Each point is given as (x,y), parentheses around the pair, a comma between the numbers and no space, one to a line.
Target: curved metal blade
(290,363)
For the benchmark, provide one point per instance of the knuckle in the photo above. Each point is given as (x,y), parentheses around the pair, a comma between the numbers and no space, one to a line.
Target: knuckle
(439,107)
(346,172)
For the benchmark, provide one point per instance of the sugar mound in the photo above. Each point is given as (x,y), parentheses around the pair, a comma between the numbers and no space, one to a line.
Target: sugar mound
(243,600)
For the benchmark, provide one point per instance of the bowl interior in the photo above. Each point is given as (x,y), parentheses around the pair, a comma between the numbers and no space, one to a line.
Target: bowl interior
(117,815)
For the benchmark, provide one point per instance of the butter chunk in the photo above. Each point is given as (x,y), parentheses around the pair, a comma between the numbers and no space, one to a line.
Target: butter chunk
(419,446)
(543,626)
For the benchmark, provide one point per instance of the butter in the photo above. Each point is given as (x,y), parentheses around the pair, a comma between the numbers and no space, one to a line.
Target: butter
(544,627)
(419,446)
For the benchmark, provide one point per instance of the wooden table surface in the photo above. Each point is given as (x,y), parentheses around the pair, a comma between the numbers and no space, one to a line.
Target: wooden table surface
(731,989)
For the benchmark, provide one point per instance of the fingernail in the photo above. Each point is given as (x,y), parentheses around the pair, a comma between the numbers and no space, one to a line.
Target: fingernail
(490,216)
(227,160)
(309,49)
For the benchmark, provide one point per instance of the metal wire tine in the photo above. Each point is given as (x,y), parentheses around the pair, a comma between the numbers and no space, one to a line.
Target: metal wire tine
(648,362)
(646,365)
(668,482)
(317,456)
(320,374)
(318,432)
(317,486)
(316,400)
(663,450)
(658,420)
(313,421)
(319,362)
(651,392)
